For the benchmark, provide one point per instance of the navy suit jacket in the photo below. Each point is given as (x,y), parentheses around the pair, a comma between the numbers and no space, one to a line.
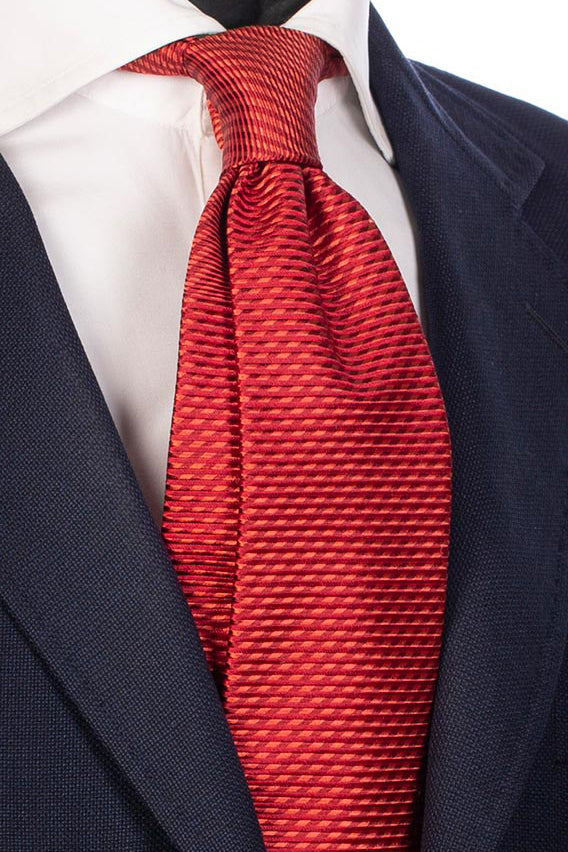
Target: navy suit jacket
(112,736)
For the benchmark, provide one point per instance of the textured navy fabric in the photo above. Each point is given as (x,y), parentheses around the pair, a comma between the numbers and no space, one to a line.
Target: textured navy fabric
(112,735)
(60,789)
(485,179)
(485,176)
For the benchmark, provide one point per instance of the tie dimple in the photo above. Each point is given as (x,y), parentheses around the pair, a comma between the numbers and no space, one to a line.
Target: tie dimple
(261,87)
(309,479)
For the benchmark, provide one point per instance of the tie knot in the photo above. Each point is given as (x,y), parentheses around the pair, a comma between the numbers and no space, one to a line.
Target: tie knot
(261,86)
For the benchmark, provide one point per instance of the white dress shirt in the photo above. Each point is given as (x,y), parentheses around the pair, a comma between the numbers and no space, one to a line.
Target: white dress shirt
(118,166)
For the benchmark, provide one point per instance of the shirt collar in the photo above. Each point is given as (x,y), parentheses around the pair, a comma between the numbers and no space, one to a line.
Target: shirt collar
(71,44)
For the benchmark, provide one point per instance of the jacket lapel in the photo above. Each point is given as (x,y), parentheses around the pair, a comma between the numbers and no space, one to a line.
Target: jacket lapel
(85,572)
(494,297)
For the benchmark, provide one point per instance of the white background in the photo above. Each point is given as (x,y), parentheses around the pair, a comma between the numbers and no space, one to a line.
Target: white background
(519,48)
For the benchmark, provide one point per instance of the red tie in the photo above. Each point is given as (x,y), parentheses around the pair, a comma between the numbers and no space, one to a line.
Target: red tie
(308,485)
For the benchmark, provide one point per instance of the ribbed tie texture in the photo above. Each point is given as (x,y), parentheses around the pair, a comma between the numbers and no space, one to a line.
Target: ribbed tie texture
(309,472)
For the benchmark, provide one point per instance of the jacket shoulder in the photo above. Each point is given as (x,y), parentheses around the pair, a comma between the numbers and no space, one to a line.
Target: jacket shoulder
(542,131)
(483,114)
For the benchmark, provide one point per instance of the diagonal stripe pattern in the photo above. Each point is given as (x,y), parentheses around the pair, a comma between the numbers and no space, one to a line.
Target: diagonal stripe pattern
(309,472)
